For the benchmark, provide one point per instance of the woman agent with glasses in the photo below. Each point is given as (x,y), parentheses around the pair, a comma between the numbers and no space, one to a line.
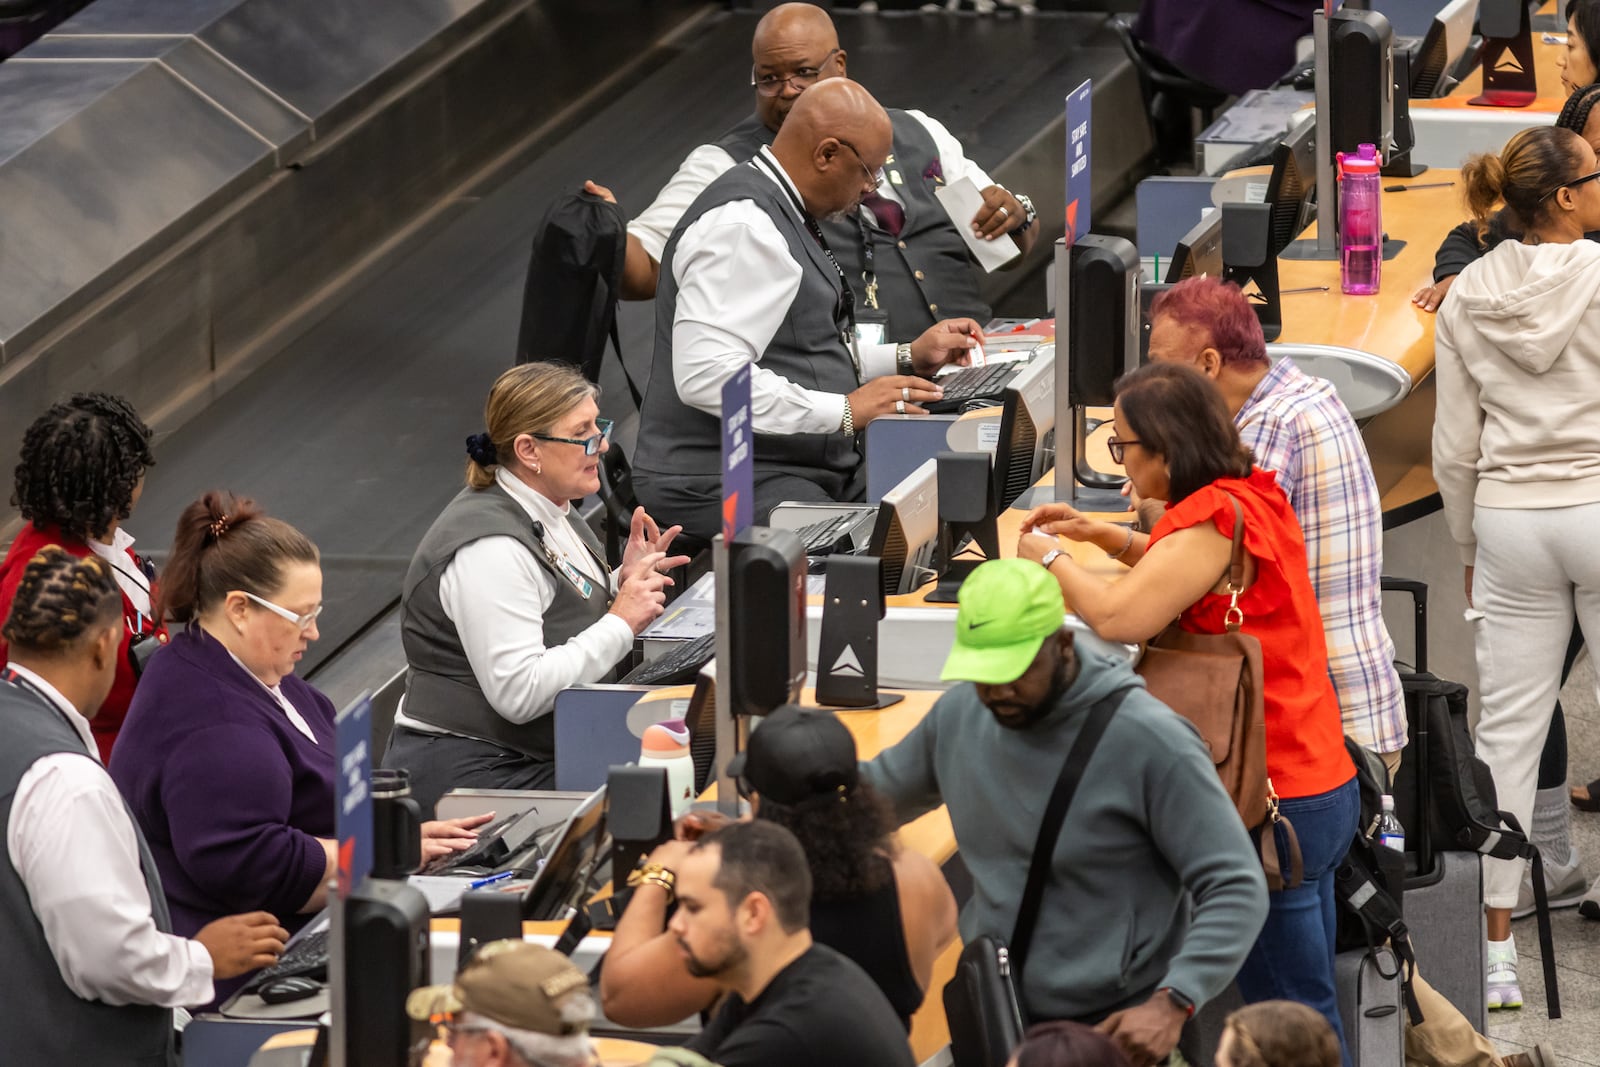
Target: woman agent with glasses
(226,758)
(1516,453)
(509,600)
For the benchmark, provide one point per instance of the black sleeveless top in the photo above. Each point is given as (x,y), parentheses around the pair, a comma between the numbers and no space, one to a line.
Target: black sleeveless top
(869,931)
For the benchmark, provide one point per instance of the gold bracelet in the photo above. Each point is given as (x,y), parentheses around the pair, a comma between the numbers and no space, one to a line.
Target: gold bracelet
(1123,551)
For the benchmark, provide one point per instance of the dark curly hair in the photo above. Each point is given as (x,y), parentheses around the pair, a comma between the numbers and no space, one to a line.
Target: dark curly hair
(80,463)
(846,840)
(60,601)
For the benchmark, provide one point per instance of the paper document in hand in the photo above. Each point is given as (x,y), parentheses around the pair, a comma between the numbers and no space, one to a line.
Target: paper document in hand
(962,200)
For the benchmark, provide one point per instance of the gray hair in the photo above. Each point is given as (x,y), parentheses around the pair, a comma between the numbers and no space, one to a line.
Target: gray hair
(547,1050)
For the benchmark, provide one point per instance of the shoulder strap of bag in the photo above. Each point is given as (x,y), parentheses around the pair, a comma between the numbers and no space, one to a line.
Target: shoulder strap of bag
(1235,617)
(1055,814)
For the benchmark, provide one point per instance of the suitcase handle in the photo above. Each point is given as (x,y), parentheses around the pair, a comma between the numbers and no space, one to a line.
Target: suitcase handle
(1419,610)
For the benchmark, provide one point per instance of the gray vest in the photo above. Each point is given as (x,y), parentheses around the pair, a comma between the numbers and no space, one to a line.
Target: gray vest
(808,349)
(47,1022)
(441,689)
(926,273)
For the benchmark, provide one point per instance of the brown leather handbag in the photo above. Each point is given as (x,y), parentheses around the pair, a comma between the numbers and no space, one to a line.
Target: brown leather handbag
(1214,681)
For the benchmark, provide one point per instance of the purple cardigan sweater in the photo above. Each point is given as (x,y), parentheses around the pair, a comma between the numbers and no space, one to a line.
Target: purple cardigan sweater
(229,794)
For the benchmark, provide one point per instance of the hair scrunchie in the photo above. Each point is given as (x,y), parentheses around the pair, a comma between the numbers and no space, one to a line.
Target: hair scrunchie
(481,449)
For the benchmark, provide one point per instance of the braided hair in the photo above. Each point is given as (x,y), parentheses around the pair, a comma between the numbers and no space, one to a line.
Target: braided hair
(60,601)
(1575,112)
(81,461)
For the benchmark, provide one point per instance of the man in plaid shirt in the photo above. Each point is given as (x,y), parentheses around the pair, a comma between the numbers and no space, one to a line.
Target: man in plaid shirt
(1298,427)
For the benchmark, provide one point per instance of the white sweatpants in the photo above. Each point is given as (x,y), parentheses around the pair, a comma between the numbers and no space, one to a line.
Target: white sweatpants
(1535,570)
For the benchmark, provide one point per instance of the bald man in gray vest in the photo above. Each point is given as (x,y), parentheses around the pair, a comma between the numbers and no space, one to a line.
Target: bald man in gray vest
(749,277)
(905,257)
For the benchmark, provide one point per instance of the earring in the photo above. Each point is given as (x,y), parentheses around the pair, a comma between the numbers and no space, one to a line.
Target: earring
(538,468)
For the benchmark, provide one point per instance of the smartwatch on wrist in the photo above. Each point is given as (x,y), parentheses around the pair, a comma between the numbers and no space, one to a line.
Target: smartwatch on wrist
(1179,1001)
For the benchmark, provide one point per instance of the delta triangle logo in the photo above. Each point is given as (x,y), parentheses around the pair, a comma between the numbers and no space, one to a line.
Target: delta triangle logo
(1252,293)
(1508,65)
(847,663)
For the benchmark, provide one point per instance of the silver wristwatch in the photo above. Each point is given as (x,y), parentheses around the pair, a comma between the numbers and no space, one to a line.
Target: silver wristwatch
(902,359)
(1029,214)
(1050,557)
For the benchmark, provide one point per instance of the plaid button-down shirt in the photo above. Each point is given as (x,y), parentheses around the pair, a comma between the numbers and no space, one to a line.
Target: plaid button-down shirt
(1298,427)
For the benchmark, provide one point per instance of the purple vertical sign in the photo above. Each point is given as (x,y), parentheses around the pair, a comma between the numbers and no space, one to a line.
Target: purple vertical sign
(738,455)
(1078,169)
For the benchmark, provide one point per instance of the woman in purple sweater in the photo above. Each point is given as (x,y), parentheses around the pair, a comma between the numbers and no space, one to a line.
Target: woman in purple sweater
(226,758)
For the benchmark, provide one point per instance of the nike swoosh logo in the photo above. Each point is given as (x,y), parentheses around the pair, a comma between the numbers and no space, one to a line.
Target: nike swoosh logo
(976,625)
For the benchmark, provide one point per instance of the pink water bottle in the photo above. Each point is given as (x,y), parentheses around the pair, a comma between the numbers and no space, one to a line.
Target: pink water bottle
(1360,222)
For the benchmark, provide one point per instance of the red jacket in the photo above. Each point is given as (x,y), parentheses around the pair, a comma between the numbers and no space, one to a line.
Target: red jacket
(32,538)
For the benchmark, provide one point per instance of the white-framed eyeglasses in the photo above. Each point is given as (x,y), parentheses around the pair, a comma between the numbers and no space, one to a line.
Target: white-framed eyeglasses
(302,621)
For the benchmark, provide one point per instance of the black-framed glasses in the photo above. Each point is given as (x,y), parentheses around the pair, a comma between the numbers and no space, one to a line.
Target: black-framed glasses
(1116,447)
(802,78)
(875,177)
(591,444)
(1573,184)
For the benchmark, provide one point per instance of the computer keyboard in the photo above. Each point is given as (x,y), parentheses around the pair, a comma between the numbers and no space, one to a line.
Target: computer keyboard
(307,955)
(677,667)
(972,383)
(830,535)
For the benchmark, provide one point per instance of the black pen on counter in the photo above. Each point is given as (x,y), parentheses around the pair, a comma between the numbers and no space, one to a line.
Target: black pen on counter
(1419,185)
(1306,289)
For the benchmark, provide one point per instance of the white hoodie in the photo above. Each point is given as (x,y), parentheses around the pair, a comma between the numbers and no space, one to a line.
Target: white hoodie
(1517,353)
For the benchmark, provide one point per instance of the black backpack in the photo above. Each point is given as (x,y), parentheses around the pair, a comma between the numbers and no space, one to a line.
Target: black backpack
(1370,882)
(569,301)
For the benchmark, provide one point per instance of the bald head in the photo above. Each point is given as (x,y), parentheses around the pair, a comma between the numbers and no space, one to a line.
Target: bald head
(796,42)
(834,142)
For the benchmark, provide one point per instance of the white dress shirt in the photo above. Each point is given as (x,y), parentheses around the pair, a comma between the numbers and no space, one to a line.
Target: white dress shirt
(736,279)
(133,583)
(72,843)
(496,593)
(297,720)
(655,224)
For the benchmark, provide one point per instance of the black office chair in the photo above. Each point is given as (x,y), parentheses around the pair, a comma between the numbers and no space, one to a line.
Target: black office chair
(1170,98)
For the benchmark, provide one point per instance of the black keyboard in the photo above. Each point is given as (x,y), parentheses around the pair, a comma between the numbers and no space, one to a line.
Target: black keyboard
(828,536)
(972,383)
(306,956)
(677,667)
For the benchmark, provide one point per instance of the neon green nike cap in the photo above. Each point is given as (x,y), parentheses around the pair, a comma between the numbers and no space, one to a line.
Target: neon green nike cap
(1008,608)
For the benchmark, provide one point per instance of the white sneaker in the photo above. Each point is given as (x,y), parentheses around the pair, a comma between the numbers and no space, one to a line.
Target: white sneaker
(1503,988)
(1564,883)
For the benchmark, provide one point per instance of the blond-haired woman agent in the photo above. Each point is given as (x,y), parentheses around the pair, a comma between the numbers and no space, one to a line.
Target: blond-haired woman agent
(509,600)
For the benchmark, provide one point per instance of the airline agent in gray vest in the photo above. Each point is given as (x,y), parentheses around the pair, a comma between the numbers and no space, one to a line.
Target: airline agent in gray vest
(509,600)
(92,971)
(750,279)
(904,257)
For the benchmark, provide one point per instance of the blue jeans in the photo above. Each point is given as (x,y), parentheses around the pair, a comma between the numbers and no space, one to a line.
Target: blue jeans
(1293,957)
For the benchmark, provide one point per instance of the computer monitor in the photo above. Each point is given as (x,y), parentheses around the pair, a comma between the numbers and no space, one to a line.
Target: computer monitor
(1291,185)
(1447,40)
(1025,449)
(701,718)
(1361,68)
(908,530)
(1199,253)
(569,862)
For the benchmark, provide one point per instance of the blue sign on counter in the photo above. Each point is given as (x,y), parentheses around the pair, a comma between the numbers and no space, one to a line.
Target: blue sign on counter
(1078,169)
(353,816)
(738,455)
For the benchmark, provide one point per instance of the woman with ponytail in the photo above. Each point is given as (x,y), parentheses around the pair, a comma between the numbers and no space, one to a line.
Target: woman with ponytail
(227,760)
(1516,454)
(78,479)
(508,599)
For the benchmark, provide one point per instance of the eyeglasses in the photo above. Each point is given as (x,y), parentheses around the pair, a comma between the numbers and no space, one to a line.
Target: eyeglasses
(802,78)
(1117,446)
(1573,184)
(453,1029)
(302,621)
(591,444)
(876,178)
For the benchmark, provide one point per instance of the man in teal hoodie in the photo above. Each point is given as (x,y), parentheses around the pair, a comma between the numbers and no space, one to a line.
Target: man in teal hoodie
(1156,894)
